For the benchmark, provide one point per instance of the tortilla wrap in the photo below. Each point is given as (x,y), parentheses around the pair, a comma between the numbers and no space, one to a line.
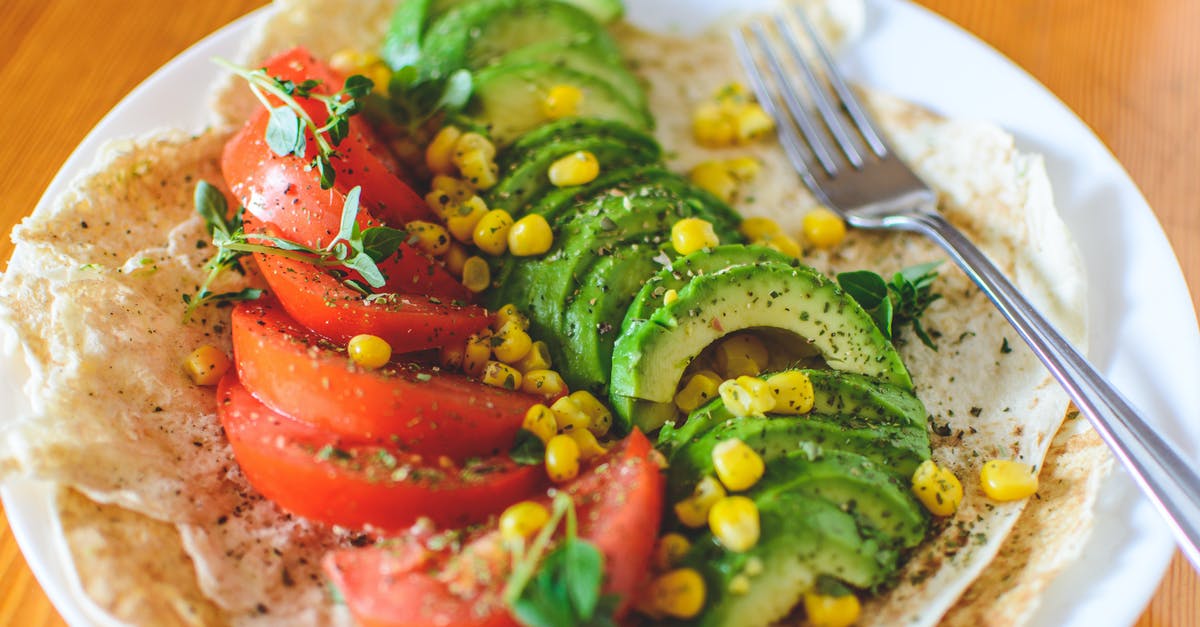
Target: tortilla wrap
(153,505)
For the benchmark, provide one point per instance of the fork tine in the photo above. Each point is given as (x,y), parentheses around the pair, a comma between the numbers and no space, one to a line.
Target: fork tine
(791,99)
(818,93)
(861,119)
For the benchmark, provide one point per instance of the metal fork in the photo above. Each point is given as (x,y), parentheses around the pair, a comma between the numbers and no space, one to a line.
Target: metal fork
(841,156)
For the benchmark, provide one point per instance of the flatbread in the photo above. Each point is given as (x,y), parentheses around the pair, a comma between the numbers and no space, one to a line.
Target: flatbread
(91,306)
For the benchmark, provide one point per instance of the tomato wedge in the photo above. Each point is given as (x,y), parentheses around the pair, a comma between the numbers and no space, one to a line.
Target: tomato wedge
(321,477)
(300,375)
(618,503)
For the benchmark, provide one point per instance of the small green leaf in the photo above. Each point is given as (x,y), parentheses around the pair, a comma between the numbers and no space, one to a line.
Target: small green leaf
(584,570)
(528,449)
(348,227)
(285,132)
(365,266)
(381,242)
(864,286)
(211,205)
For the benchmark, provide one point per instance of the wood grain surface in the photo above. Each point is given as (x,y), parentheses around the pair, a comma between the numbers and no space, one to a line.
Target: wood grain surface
(1128,69)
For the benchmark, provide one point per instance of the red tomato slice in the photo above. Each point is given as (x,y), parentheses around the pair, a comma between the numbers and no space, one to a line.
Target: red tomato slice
(618,506)
(318,476)
(303,376)
(408,322)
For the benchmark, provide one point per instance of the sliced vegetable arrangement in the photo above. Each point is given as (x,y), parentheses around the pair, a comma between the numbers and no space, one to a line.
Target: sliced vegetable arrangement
(497,455)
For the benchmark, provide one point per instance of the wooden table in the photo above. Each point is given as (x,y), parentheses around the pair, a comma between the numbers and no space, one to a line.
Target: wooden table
(1127,68)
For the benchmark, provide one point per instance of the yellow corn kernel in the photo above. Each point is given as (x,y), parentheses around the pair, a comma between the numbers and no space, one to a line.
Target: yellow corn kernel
(539,420)
(741,355)
(455,258)
(715,178)
(522,520)
(785,244)
(737,465)
(671,548)
(462,218)
(744,169)
(693,511)
(793,392)
(570,415)
(699,389)
(577,168)
(679,593)
(739,584)
(476,275)
(369,351)
(439,155)
(1005,480)
(474,142)
(831,611)
(441,202)
(451,357)
(599,417)
(589,446)
(562,101)
(734,522)
(477,352)
(457,189)
(429,237)
(511,343)
(692,234)
(547,383)
(501,375)
(510,313)
(491,233)
(670,297)
(746,396)
(531,235)
(937,488)
(711,127)
(823,228)
(731,94)
(562,458)
(757,228)
(538,358)
(477,168)
(751,122)
(207,364)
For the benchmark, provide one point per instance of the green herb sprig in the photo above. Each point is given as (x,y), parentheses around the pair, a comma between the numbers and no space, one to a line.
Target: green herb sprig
(210,204)
(897,303)
(563,586)
(289,121)
(414,99)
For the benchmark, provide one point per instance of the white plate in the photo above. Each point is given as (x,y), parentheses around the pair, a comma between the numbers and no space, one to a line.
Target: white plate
(1143,329)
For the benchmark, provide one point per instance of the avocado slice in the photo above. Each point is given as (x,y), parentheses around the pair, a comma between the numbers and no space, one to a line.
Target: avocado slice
(508,98)
(574,128)
(650,358)
(525,182)
(588,61)
(603,10)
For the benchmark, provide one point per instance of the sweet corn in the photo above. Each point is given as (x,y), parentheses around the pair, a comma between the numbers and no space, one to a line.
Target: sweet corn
(474,142)
(715,178)
(739,584)
(455,258)
(462,218)
(692,234)
(538,358)
(570,415)
(206,365)
(793,392)
(547,383)
(740,355)
(491,233)
(562,458)
(369,351)
(477,352)
(510,313)
(823,228)
(531,235)
(937,488)
(451,357)
(671,548)
(679,594)
(699,389)
(744,169)
(757,228)
(785,244)
(589,446)
(539,420)
(751,122)
(734,522)
(511,342)
(746,396)
(737,465)
(441,202)
(439,155)
(693,511)
(522,520)
(711,127)
(599,417)
(501,375)
(477,167)
(831,611)
(429,237)
(1005,480)
(476,275)
(562,101)
(457,189)
(670,297)
(577,168)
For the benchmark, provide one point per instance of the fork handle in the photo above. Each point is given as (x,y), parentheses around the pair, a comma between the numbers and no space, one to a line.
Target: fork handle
(1163,474)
